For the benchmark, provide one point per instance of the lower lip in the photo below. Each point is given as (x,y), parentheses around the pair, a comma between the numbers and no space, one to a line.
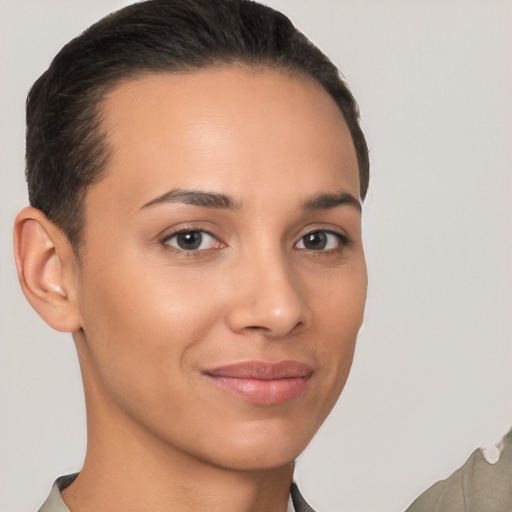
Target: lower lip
(263,392)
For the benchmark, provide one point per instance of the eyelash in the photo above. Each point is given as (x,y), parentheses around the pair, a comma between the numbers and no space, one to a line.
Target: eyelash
(185,231)
(343,241)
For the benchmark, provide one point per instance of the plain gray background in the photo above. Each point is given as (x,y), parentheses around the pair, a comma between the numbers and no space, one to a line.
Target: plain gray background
(431,379)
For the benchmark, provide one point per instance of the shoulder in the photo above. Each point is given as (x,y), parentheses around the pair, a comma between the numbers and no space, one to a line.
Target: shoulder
(477,486)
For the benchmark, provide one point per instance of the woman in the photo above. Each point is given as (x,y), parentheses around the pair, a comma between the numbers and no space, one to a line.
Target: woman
(195,173)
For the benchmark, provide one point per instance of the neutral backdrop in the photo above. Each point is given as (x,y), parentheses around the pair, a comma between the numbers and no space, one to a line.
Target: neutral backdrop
(431,379)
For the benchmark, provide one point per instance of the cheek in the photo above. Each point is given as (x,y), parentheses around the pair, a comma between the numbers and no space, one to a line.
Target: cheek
(134,298)
(142,326)
(339,315)
(339,299)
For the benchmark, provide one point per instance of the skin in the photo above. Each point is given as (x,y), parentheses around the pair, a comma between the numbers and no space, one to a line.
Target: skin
(149,318)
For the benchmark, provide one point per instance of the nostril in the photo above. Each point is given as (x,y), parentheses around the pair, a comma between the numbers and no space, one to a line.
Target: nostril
(267,330)
(256,328)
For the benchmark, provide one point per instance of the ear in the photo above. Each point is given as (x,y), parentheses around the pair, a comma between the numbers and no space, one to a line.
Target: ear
(47,269)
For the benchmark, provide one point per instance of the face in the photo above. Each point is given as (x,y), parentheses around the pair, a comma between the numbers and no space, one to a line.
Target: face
(223,279)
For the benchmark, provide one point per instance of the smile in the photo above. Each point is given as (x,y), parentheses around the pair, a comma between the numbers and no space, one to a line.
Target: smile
(262,382)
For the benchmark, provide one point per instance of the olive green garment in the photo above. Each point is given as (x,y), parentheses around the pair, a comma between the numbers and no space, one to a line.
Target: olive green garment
(478,486)
(54,501)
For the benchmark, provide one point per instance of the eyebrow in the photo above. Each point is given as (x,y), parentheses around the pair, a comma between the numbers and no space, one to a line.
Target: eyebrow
(329,201)
(194,198)
(222,201)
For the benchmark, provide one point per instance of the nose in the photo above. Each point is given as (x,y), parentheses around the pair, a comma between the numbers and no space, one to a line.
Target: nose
(267,298)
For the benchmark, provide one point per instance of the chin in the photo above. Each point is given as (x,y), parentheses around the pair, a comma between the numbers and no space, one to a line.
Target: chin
(255,460)
(259,448)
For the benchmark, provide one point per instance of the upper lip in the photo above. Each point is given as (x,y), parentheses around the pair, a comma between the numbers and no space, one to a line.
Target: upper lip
(262,370)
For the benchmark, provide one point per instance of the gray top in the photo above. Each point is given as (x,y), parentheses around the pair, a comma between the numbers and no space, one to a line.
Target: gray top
(478,486)
(54,502)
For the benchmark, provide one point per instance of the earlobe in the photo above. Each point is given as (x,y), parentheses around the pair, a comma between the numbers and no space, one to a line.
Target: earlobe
(44,261)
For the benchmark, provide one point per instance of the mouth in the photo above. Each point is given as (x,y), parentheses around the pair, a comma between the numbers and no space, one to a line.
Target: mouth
(262,382)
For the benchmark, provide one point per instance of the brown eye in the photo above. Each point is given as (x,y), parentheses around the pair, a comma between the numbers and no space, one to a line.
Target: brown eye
(320,240)
(194,240)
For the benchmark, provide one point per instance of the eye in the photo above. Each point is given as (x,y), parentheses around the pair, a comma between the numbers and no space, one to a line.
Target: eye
(192,240)
(321,240)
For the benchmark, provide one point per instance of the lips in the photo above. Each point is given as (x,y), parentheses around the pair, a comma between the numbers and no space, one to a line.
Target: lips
(262,382)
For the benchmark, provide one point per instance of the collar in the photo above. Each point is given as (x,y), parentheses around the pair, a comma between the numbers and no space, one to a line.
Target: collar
(54,502)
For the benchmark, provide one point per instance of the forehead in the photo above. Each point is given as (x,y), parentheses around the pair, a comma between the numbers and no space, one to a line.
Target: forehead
(235,127)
